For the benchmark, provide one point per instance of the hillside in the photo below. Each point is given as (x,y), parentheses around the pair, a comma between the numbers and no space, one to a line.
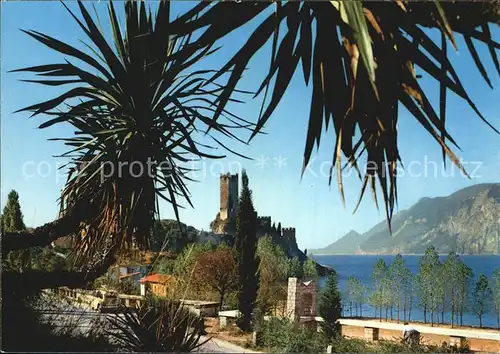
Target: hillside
(467,222)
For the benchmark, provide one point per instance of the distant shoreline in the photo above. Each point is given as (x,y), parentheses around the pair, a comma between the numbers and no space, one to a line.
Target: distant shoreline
(394,254)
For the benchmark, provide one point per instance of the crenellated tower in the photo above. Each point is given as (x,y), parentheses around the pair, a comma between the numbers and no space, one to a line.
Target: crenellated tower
(228,196)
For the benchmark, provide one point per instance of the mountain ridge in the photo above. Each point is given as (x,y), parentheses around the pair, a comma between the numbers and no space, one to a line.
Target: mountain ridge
(466,221)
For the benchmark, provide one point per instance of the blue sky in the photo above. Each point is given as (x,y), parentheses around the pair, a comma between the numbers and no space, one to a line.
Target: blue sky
(308,204)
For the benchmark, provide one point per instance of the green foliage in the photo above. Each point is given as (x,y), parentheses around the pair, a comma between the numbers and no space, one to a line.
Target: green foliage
(400,289)
(496,294)
(246,247)
(282,336)
(12,217)
(135,99)
(158,326)
(330,305)
(184,262)
(295,268)
(309,269)
(273,273)
(168,235)
(481,297)
(12,221)
(429,283)
(356,294)
(165,265)
(378,298)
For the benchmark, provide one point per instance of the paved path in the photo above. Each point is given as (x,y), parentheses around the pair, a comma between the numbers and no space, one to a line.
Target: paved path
(216,345)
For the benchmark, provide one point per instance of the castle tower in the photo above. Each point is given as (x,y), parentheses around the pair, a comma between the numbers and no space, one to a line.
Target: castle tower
(301,299)
(228,196)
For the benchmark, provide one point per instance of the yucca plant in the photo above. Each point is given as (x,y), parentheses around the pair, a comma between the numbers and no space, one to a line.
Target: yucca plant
(362,58)
(158,326)
(137,105)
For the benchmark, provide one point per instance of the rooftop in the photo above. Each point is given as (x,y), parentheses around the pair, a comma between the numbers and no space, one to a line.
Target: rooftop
(157,278)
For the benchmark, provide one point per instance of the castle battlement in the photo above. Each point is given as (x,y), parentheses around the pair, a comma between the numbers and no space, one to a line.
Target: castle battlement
(288,229)
(229,176)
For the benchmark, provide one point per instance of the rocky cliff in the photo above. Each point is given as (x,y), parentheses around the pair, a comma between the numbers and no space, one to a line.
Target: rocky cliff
(467,222)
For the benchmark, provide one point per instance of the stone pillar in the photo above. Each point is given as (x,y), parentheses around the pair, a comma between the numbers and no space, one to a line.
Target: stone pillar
(291,301)
(371,334)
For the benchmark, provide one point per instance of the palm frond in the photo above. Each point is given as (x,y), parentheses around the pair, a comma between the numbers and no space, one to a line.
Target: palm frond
(142,108)
(330,39)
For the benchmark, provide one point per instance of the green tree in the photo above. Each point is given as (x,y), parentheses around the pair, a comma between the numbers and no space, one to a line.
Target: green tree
(429,278)
(452,280)
(356,294)
(464,283)
(12,221)
(496,294)
(309,269)
(273,273)
(399,278)
(295,269)
(12,217)
(330,305)
(246,248)
(481,297)
(379,285)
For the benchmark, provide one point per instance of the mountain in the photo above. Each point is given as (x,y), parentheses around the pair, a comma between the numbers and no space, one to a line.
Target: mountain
(347,244)
(467,222)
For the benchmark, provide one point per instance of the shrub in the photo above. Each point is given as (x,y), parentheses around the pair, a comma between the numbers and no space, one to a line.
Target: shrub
(157,326)
(282,336)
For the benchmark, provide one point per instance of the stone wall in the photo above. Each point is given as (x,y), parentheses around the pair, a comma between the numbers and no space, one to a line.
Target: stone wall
(371,330)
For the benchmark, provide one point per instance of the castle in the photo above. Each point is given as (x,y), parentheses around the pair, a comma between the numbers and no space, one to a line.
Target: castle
(229,196)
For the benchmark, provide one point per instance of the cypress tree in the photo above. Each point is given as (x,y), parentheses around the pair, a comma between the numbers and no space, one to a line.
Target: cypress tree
(12,217)
(246,248)
(12,221)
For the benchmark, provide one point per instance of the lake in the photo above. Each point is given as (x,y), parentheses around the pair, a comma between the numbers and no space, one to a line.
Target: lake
(361,267)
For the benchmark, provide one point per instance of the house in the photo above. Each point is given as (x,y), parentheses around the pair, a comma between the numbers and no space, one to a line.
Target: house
(157,284)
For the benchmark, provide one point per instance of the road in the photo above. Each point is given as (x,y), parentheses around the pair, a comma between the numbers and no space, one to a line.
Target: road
(215,345)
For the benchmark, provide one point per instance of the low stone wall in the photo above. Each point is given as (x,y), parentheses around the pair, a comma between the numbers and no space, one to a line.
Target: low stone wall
(478,339)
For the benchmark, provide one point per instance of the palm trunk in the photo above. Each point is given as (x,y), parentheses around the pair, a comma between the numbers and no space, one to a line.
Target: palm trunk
(30,282)
(425,315)
(44,235)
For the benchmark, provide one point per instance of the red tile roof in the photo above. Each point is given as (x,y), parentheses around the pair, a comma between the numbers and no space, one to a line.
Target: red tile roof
(157,278)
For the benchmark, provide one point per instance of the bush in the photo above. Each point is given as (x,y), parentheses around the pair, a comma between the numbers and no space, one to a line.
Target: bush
(157,326)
